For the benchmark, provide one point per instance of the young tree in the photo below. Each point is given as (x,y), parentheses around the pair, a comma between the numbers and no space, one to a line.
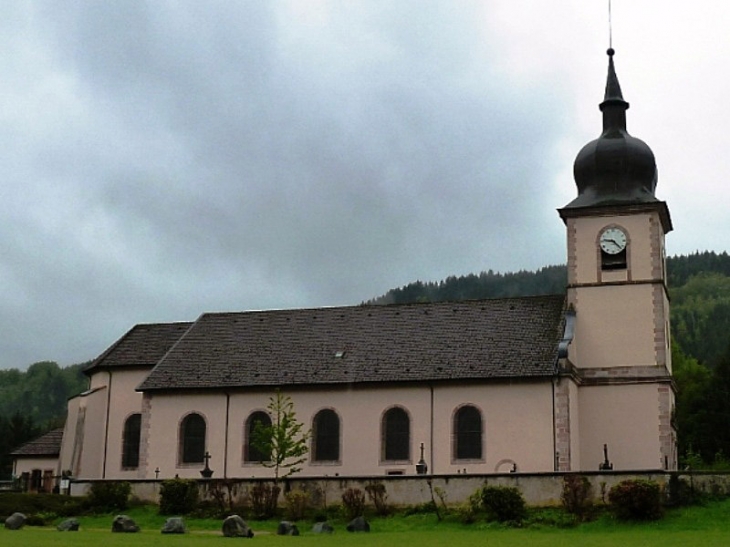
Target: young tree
(284,441)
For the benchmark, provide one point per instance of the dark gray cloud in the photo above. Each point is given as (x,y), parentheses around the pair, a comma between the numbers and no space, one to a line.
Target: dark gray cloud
(166,159)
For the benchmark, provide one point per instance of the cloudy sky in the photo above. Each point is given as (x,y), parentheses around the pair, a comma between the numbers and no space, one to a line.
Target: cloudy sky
(161,159)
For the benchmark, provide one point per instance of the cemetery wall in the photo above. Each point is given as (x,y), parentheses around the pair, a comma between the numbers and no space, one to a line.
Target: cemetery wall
(539,489)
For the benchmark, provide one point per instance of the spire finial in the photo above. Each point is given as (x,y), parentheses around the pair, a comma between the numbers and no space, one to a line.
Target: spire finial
(613,89)
(610,29)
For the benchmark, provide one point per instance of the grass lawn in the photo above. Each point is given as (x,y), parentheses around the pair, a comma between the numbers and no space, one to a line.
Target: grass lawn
(705,526)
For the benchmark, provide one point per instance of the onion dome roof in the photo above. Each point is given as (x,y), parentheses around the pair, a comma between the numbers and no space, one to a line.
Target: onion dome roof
(615,168)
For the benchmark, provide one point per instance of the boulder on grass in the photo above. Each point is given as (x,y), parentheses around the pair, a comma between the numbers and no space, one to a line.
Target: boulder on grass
(15,521)
(322,528)
(235,527)
(358,524)
(68,525)
(287,528)
(124,524)
(174,525)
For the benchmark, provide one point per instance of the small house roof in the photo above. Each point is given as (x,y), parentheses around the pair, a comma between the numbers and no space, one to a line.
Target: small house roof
(45,445)
(479,339)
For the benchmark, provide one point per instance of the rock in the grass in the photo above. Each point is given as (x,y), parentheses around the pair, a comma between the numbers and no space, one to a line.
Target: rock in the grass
(358,524)
(234,526)
(322,528)
(174,525)
(15,521)
(122,523)
(287,528)
(68,525)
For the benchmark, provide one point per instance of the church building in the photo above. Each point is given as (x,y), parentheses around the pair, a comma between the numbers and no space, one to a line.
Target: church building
(572,382)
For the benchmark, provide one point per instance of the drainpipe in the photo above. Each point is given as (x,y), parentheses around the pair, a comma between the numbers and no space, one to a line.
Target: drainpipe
(568,335)
(556,462)
(225,450)
(433,463)
(106,425)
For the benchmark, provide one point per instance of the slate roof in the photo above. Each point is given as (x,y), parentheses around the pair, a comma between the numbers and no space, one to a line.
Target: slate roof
(142,345)
(481,339)
(45,445)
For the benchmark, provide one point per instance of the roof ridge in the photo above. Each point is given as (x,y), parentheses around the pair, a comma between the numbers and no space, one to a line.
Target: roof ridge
(465,301)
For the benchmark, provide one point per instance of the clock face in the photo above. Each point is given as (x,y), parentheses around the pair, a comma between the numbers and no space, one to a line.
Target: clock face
(613,240)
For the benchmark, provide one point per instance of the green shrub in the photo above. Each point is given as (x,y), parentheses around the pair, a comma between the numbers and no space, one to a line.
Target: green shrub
(551,517)
(109,496)
(379,497)
(178,497)
(680,492)
(469,511)
(30,504)
(297,502)
(636,500)
(264,500)
(425,508)
(38,519)
(504,503)
(353,501)
(576,496)
(219,496)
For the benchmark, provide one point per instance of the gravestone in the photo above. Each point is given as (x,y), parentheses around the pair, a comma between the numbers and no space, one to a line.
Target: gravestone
(68,525)
(358,524)
(287,528)
(174,525)
(124,524)
(322,528)
(15,521)
(235,526)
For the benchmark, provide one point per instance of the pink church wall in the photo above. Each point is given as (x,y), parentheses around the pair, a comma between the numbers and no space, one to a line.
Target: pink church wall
(626,418)
(517,421)
(88,443)
(90,449)
(126,402)
(614,326)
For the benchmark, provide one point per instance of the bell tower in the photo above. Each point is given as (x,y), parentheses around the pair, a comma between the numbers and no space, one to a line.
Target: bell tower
(619,362)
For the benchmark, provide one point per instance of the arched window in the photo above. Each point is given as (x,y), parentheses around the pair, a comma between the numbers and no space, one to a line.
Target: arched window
(130,441)
(326,436)
(192,439)
(468,433)
(250,452)
(396,434)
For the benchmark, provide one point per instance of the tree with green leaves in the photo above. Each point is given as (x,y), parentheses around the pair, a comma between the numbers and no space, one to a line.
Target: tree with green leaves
(284,441)
(693,382)
(701,316)
(716,415)
(15,431)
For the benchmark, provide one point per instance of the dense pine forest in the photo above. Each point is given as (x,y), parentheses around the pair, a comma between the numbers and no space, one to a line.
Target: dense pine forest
(34,401)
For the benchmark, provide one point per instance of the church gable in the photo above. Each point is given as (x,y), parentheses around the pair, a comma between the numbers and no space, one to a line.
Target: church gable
(487,339)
